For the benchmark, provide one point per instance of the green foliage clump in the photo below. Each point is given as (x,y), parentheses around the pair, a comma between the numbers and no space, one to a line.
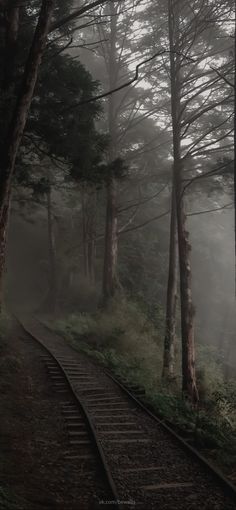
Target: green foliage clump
(76,327)
(123,334)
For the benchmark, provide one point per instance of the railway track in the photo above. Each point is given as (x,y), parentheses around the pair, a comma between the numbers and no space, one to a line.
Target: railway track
(147,466)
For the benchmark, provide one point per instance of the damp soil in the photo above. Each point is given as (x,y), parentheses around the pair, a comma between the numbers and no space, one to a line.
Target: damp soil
(185,484)
(33,436)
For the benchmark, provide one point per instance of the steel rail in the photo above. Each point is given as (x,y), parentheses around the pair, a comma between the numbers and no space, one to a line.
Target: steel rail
(217,473)
(224,482)
(115,504)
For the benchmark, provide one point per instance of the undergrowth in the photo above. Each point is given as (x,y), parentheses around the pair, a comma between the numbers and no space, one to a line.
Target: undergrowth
(123,339)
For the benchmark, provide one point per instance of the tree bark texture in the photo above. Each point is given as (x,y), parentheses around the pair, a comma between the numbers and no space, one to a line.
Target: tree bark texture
(19,117)
(187,311)
(111,233)
(10,17)
(171,301)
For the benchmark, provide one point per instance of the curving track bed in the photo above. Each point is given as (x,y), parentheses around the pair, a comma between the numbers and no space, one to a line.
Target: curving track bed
(146,465)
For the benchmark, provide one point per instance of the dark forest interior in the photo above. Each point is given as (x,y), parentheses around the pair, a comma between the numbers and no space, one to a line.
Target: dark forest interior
(117,252)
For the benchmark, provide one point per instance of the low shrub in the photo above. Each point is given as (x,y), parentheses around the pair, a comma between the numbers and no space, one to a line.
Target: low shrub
(122,330)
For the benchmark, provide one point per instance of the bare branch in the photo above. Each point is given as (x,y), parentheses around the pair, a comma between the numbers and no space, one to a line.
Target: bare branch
(206,174)
(211,106)
(130,220)
(116,89)
(223,77)
(124,85)
(144,201)
(141,225)
(226,206)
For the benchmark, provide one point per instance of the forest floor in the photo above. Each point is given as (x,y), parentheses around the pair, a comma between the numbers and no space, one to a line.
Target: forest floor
(33,439)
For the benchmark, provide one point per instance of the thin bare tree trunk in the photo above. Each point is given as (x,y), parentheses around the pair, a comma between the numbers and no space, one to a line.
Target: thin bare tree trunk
(19,118)
(52,292)
(187,311)
(171,301)
(92,237)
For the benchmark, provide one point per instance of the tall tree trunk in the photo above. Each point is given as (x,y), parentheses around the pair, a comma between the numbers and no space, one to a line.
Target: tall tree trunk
(111,243)
(187,311)
(111,234)
(85,232)
(9,34)
(234,86)
(3,243)
(52,292)
(92,237)
(11,39)
(171,301)
(19,118)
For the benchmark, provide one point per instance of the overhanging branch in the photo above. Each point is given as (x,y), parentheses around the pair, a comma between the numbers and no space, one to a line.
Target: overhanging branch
(124,85)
